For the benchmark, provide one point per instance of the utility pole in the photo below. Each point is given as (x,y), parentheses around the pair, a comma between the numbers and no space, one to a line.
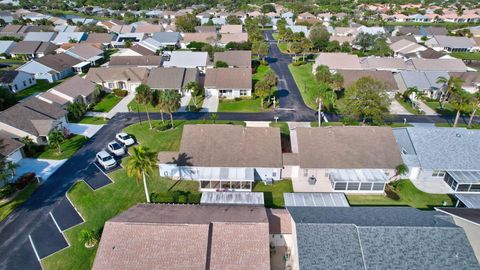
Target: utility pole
(319,112)
(274,102)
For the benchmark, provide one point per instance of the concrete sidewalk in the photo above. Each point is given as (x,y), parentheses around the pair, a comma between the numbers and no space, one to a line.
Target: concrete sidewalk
(424,107)
(122,106)
(210,104)
(84,129)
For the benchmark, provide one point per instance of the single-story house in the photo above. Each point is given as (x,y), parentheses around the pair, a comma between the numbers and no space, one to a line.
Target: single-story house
(122,29)
(337,61)
(135,50)
(239,59)
(167,39)
(225,157)
(448,65)
(131,37)
(228,82)
(205,37)
(429,53)
(441,159)
(65,28)
(374,30)
(126,78)
(5,47)
(69,37)
(15,28)
(452,44)
(33,49)
(11,150)
(306,17)
(172,78)
(16,81)
(471,80)
(377,238)
(425,81)
(88,54)
(392,64)
(404,46)
(188,59)
(148,28)
(101,38)
(231,29)
(422,32)
(33,118)
(229,37)
(186,237)
(352,76)
(345,159)
(74,89)
(206,28)
(149,61)
(299,29)
(40,36)
(52,67)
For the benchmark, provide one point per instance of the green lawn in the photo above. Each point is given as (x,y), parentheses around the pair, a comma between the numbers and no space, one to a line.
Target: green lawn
(41,86)
(7,207)
(168,140)
(96,207)
(93,120)
(191,104)
(336,124)
(409,195)
(466,55)
(462,125)
(273,194)
(283,127)
(134,107)
(306,83)
(283,47)
(69,147)
(243,105)
(261,71)
(107,103)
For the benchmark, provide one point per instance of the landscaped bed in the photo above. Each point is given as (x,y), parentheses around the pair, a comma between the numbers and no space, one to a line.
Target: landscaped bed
(69,147)
(408,195)
(273,194)
(8,205)
(107,103)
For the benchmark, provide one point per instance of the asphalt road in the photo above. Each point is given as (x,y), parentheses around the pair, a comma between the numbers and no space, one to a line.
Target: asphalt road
(15,229)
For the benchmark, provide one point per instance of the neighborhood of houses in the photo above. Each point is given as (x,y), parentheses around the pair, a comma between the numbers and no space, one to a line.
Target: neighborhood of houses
(237,193)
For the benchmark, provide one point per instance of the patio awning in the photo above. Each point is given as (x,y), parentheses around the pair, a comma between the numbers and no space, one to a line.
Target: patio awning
(465,177)
(81,64)
(470,200)
(316,199)
(363,175)
(248,198)
(208,173)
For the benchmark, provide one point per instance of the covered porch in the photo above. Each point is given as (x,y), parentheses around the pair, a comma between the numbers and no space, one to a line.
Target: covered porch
(463,181)
(225,179)
(352,180)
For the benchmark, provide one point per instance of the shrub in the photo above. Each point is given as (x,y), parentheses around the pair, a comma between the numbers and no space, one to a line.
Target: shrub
(88,237)
(120,92)
(176,196)
(164,126)
(25,180)
(263,63)
(194,197)
(162,197)
(7,190)
(390,192)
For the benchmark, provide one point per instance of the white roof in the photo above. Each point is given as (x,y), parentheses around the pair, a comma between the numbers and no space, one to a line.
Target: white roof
(187,59)
(64,37)
(316,199)
(248,198)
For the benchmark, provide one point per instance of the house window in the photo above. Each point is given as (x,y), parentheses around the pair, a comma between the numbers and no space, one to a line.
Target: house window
(274,174)
(305,172)
(438,173)
(122,85)
(24,83)
(111,85)
(30,80)
(243,92)
(15,87)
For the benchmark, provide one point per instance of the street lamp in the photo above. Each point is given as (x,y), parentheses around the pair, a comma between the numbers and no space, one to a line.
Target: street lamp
(275,118)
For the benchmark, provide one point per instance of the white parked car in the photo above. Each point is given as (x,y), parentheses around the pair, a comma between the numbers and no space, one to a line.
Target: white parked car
(124,138)
(106,160)
(116,149)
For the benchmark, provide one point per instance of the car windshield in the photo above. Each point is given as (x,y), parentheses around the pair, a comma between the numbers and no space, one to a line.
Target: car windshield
(107,158)
(126,137)
(115,146)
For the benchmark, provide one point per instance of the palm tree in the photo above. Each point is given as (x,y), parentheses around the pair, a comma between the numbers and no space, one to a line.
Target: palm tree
(450,85)
(55,139)
(141,164)
(195,89)
(475,103)
(144,96)
(11,168)
(460,101)
(172,99)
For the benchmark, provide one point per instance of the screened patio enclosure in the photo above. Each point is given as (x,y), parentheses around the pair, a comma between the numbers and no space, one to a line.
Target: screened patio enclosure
(225,179)
(463,181)
(365,180)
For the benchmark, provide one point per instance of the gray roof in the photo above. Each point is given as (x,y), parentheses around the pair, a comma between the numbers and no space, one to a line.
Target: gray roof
(148,60)
(248,198)
(376,238)
(452,42)
(6,46)
(167,37)
(58,62)
(442,148)
(40,36)
(8,76)
(315,199)
(171,78)
(470,200)
(9,145)
(76,86)
(187,59)
(423,79)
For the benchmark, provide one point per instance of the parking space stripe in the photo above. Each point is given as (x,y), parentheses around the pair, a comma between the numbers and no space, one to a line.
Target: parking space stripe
(33,246)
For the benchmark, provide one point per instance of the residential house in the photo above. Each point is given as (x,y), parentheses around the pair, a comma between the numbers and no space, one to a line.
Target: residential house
(6,47)
(135,50)
(186,237)
(148,28)
(374,30)
(88,54)
(11,150)
(126,78)
(65,28)
(32,49)
(386,77)
(225,157)
(241,59)
(306,17)
(444,64)
(345,159)
(51,67)
(164,40)
(172,78)
(422,33)
(392,64)
(101,38)
(236,38)
(429,53)
(205,37)
(377,238)
(122,29)
(74,89)
(7,16)
(231,29)
(471,80)
(468,219)
(404,47)
(33,118)
(451,166)
(205,29)
(15,29)
(69,37)
(336,61)
(149,61)
(228,82)
(127,37)
(424,81)
(298,29)
(40,36)
(188,59)
(452,44)
(16,81)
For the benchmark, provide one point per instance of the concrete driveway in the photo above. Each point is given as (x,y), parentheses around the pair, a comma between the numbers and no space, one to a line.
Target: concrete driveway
(43,168)
(84,129)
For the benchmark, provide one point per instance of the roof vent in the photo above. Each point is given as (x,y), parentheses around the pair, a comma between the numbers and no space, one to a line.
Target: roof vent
(458,135)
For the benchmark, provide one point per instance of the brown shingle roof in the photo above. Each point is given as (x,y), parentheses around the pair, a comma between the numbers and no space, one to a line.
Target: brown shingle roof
(239,37)
(230,146)
(14,28)
(99,38)
(235,58)
(85,51)
(58,62)
(76,86)
(228,78)
(9,144)
(159,236)
(141,50)
(149,60)
(148,28)
(171,78)
(279,221)
(31,47)
(351,76)
(206,37)
(100,75)
(348,148)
